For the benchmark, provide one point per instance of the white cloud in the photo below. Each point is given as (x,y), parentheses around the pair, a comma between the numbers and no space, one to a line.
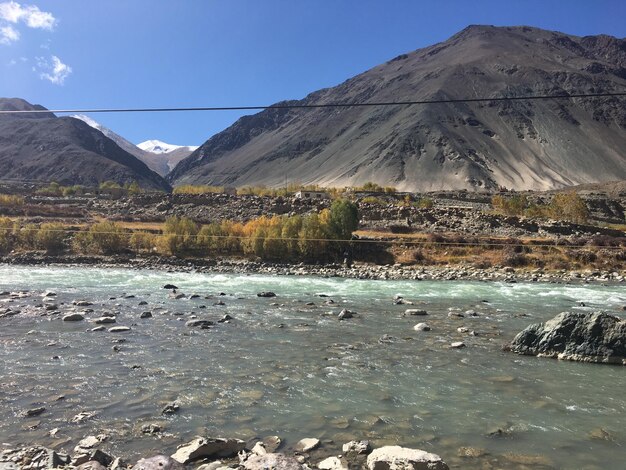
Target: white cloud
(8,34)
(31,15)
(53,70)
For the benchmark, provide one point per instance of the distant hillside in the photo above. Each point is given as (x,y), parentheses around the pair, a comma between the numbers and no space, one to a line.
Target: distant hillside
(537,145)
(159,156)
(43,147)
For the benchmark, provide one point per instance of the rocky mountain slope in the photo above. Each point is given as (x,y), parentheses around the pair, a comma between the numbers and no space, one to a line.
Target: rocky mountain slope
(534,145)
(159,156)
(43,147)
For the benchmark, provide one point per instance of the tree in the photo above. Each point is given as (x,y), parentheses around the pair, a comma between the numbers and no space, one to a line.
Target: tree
(7,238)
(134,188)
(290,234)
(274,247)
(569,206)
(50,237)
(344,219)
(179,235)
(313,242)
(103,237)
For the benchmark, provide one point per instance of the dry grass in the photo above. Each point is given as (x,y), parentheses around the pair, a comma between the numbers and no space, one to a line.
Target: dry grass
(485,252)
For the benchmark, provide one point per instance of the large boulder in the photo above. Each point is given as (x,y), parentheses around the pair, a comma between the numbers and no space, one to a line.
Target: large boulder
(403,458)
(207,448)
(587,337)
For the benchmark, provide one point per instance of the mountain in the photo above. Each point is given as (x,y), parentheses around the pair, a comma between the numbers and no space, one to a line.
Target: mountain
(159,156)
(535,145)
(43,147)
(163,157)
(157,146)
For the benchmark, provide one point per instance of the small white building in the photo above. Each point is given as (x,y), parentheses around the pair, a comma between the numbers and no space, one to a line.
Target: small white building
(315,195)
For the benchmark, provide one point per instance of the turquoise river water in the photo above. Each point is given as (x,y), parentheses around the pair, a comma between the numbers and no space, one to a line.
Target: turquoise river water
(283,367)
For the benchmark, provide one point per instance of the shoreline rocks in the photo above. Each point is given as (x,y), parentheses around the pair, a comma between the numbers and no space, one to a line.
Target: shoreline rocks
(586,337)
(356,271)
(208,448)
(396,457)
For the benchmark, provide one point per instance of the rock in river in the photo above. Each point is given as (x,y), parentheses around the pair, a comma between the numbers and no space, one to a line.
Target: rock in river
(333,463)
(73,317)
(415,311)
(345,314)
(119,329)
(392,457)
(266,294)
(273,461)
(353,448)
(201,323)
(305,445)
(159,462)
(578,336)
(206,448)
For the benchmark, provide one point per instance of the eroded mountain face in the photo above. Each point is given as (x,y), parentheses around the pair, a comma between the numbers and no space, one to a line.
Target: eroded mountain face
(519,145)
(43,147)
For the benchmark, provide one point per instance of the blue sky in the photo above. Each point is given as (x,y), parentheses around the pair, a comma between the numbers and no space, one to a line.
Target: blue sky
(158,53)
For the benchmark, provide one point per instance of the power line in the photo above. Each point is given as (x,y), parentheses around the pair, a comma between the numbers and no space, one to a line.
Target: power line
(313,106)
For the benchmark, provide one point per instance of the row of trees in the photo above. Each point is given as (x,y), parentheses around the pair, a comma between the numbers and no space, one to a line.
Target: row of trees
(320,235)
(285,191)
(563,206)
(317,236)
(106,187)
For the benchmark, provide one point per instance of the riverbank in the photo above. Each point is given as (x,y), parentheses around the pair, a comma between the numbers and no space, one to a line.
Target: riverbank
(356,271)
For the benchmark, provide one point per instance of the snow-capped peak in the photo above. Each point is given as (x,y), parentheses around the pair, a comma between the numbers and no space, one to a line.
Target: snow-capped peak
(88,120)
(156,146)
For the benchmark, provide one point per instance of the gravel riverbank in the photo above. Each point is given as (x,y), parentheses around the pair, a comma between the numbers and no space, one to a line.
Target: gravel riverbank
(356,271)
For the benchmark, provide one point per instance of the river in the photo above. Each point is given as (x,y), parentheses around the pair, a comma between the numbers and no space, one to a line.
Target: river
(284,367)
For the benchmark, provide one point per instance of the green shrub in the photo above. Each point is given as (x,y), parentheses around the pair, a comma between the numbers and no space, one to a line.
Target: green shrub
(7,235)
(27,237)
(202,189)
(103,237)
(425,203)
(179,235)
(142,241)
(570,207)
(50,237)
(10,200)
